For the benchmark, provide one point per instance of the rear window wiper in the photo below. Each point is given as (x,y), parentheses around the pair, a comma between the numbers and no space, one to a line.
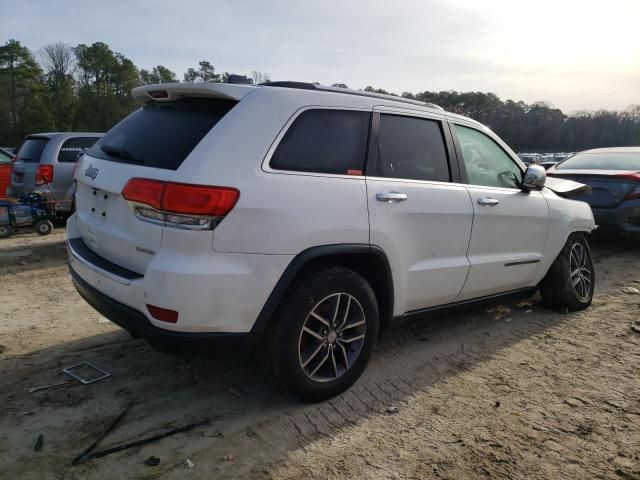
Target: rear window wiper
(121,153)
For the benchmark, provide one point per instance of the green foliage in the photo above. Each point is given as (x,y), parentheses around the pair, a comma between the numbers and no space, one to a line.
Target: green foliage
(105,80)
(159,74)
(88,88)
(21,87)
(206,73)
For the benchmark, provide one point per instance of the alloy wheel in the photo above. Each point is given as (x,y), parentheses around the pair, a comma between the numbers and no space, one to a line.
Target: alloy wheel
(581,274)
(332,337)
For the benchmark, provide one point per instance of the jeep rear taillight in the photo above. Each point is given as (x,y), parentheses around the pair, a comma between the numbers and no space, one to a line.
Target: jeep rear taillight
(182,205)
(44,174)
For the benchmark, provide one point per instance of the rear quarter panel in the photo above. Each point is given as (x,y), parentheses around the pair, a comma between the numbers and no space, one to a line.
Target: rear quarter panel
(277,212)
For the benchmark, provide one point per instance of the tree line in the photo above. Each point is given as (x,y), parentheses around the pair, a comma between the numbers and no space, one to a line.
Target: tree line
(88,88)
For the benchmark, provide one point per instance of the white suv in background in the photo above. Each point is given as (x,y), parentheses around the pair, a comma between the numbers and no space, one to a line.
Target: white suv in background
(303,220)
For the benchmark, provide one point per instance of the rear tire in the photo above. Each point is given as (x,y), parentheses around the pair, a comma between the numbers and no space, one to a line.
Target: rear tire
(44,227)
(5,231)
(323,335)
(570,282)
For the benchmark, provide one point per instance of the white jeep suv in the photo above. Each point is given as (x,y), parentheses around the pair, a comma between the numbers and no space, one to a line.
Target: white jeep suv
(302,220)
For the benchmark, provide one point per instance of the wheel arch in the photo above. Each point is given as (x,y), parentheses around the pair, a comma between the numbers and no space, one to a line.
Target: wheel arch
(370,261)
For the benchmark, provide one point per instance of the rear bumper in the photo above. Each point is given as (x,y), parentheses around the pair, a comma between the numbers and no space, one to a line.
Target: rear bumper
(167,341)
(624,218)
(213,292)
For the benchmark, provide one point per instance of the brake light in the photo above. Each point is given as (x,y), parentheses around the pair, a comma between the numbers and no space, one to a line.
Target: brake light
(147,192)
(635,193)
(159,94)
(199,200)
(44,174)
(180,204)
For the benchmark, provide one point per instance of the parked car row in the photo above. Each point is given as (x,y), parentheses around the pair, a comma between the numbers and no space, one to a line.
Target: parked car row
(304,220)
(36,182)
(544,159)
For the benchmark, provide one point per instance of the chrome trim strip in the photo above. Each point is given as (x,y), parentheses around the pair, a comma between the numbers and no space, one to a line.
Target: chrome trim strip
(104,273)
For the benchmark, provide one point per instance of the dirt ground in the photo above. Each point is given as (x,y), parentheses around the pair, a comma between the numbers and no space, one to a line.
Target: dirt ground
(510,390)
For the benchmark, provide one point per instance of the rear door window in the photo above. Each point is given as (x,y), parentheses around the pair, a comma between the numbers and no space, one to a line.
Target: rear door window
(324,141)
(73,147)
(161,134)
(31,149)
(412,148)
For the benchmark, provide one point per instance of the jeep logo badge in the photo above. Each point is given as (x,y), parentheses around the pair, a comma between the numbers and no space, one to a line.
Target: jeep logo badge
(91,172)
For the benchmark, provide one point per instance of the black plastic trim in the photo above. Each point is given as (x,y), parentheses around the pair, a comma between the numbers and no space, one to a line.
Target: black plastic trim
(462,171)
(523,262)
(425,311)
(348,91)
(303,258)
(167,341)
(78,245)
(372,156)
(454,167)
(290,84)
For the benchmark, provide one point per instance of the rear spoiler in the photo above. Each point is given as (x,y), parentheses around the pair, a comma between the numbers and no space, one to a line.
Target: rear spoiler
(164,92)
(567,188)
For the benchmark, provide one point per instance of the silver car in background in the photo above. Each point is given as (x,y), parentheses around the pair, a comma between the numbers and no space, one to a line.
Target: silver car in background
(49,158)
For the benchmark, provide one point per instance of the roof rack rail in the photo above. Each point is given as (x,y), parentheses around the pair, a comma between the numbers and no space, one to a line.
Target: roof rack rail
(289,84)
(348,91)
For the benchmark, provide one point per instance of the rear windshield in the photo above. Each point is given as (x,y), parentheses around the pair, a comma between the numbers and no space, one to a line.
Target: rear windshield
(602,161)
(31,149)
(161,134)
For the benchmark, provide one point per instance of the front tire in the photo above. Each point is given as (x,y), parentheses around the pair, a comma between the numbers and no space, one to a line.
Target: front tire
(323,334)
(5,231)
(570,282)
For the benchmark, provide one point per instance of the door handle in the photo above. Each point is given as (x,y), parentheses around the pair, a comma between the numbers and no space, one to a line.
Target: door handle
(488,202)
(391,197)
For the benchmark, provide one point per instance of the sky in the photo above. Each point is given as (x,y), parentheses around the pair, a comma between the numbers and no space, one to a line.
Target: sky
(577,55)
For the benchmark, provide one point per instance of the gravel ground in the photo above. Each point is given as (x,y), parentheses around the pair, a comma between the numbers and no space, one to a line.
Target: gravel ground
(509,390)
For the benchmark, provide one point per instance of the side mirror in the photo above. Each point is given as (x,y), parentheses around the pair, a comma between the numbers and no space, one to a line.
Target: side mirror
(534,178)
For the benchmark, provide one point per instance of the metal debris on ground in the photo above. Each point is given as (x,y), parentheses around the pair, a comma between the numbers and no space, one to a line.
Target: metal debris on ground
(189,463)
(44,387)
(152,461)
(91,372)
(86,455)
(630,290)
(635,326)
(392,409)
(144,441)
(38,446)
